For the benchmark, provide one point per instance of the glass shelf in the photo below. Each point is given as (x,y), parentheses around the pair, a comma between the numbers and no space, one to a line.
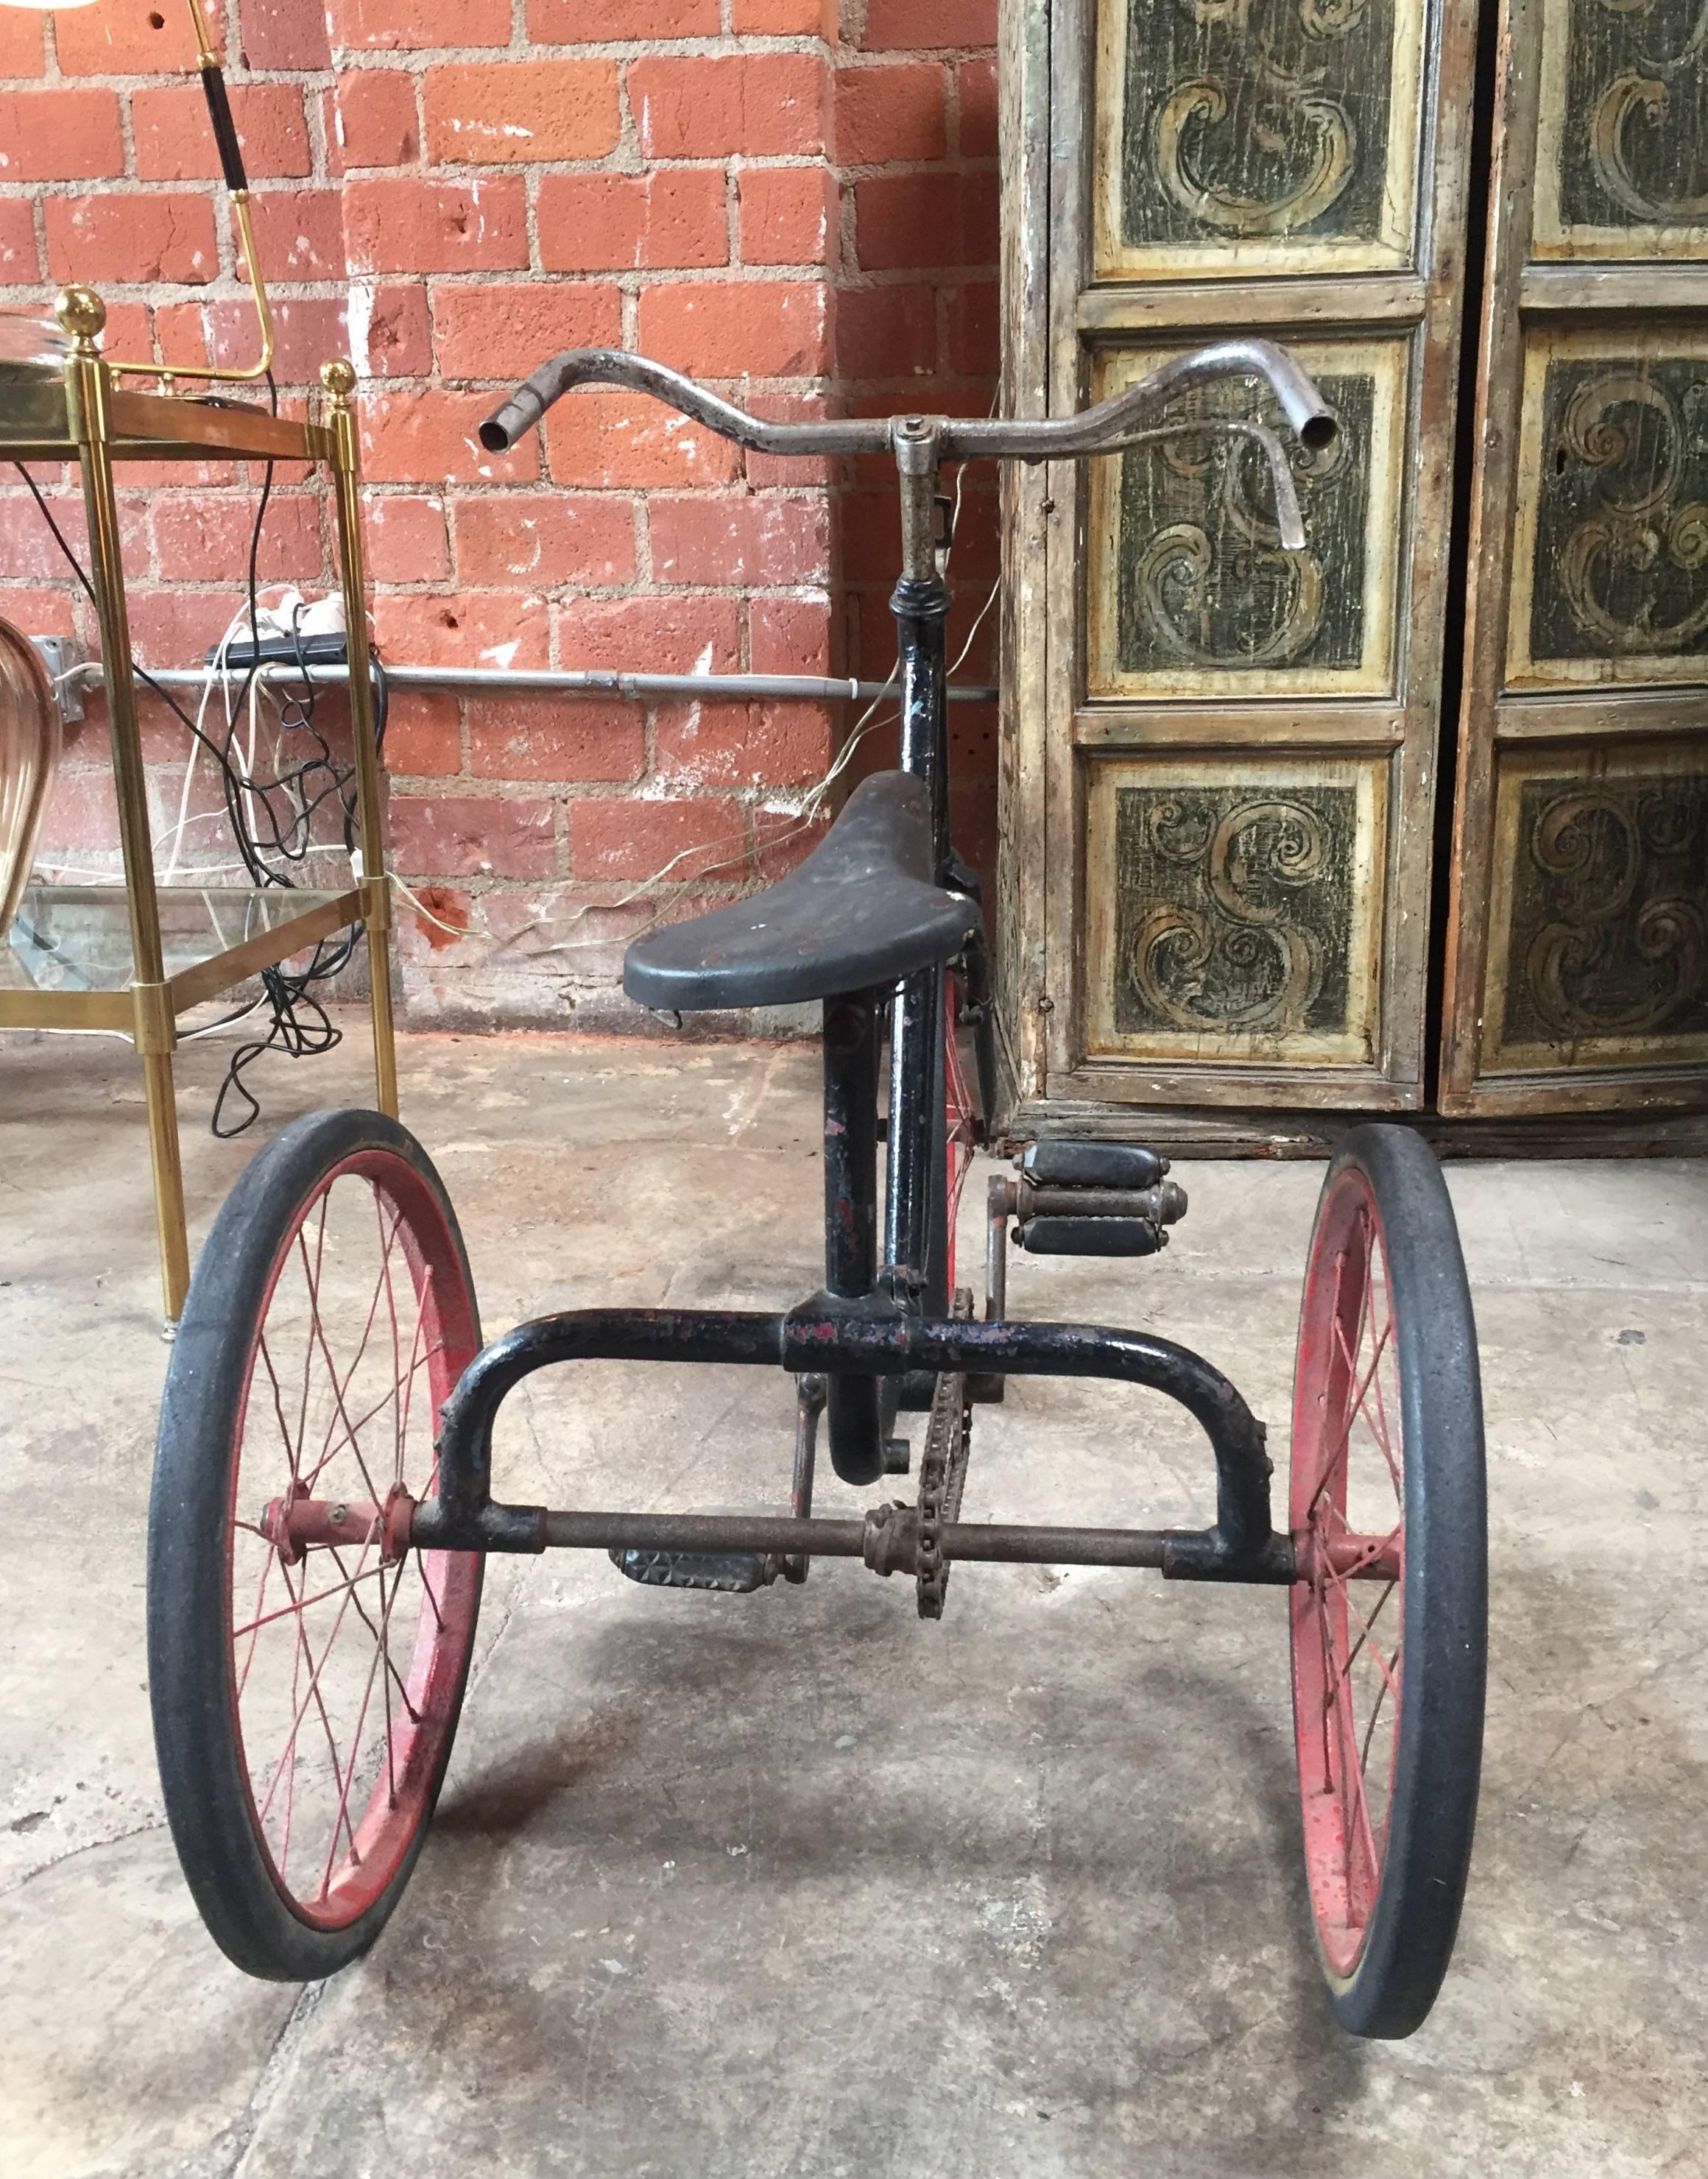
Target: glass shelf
(77,937)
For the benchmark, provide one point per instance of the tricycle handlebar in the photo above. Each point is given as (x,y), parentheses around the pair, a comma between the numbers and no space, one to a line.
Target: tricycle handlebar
(1124,419)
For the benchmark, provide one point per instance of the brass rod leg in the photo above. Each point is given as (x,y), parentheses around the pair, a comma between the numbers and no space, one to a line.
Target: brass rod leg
(385,1041)
(168,1181)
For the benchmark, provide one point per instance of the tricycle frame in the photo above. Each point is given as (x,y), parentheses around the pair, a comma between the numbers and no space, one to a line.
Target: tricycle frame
(848,1341)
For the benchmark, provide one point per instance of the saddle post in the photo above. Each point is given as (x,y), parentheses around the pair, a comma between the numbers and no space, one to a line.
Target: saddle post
(913,1214)
(857,1421)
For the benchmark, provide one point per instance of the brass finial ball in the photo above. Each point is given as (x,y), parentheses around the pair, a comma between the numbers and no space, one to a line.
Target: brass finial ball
(80,312)
(339,378)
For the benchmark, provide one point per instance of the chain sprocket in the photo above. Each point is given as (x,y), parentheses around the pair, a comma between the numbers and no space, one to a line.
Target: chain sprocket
(942,1475)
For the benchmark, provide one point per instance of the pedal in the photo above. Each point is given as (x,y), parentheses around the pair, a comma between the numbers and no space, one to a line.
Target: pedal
(1125,1165)
(1080,1198)
(733,1573)
(1089,1237)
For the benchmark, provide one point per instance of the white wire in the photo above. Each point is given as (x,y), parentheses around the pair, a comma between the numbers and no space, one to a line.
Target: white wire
(456,930)
(811,802)
(115,878)
(225,1028)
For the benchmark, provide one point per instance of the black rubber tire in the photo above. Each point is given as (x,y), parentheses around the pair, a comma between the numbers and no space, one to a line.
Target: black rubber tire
(191,1680)
(1432,1814)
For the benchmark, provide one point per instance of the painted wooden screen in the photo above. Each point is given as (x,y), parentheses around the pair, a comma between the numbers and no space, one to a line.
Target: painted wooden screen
(1220,784)
(1577,961)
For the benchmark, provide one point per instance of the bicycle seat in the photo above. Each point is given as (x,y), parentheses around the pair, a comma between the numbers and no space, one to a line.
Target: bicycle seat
(860,912)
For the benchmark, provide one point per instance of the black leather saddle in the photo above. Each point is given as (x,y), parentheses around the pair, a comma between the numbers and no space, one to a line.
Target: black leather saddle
(860,912)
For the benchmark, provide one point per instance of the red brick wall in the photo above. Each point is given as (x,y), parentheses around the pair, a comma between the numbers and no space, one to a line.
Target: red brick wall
(798,203)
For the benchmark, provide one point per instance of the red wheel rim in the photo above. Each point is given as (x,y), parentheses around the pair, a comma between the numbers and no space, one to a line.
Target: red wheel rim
(1348,1605)
(960,1118)
(348,1651)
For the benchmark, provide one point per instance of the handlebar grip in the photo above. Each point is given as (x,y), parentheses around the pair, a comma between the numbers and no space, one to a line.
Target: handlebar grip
(515,417)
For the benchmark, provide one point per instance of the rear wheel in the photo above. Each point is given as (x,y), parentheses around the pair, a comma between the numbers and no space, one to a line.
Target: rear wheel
(1389,1612)
(306,1665)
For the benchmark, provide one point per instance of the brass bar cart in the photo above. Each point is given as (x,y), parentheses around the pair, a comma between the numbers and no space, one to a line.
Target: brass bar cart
(89,419)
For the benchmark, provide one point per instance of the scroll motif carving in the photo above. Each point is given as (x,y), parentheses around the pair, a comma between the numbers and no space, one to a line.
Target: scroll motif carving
(1248,118)
(1234,910)
(1621,567)
(1202,579)
(1609,935)
(1633,136)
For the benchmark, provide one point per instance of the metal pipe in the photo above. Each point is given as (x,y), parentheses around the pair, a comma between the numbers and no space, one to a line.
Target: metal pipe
(710,688)
(814,1340)
(993,1544)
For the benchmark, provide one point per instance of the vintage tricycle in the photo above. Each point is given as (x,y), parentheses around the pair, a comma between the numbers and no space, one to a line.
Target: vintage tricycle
(323,1498)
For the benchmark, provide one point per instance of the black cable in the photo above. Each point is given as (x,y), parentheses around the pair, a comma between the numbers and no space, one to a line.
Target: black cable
(300,1025)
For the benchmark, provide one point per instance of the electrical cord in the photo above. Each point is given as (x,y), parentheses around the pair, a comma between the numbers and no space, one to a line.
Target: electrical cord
(272,841)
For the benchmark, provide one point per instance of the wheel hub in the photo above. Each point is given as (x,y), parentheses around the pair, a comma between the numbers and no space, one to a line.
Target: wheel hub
(297,1523)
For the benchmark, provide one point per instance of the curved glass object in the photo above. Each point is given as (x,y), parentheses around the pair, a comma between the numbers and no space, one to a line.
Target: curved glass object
(30,740)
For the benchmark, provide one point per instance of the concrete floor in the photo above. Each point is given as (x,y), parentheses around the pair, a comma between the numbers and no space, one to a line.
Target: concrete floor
(792,1884)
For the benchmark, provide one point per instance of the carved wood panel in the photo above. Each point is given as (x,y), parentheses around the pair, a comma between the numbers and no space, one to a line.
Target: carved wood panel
(1576,970)
(1600,955)
(1621,155)
(1218,819)
(1235,908)
(1610,554)
(1190,592)
(1243,135)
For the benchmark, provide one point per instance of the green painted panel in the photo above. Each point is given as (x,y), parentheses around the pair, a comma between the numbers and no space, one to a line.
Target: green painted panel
(1234,909)
(1202,579)
(1633,133)
(1609,931)
(1622,527)
(1248,118)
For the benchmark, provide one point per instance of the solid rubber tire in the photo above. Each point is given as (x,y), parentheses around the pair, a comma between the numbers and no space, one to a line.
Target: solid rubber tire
(202,1773)
(1432,1815)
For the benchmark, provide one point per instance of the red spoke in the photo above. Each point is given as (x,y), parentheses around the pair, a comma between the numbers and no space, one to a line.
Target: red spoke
(320,1596)
(378,1632)
(422,1302)
(427,1591)
(1375,1712)
(342,1813)
(293,1447)
(315,1696)
(266,1567)
(1367,1635)
(1359,1830)
(1327,1632)
(311,1280)
(391,1316)
(362,1420)
(313,1693)
(318,1330)
(1358,1405)
(1384,1436)
(1337,1444)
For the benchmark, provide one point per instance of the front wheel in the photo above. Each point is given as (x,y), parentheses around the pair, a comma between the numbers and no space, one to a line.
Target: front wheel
(1389,1613)
(306,1665)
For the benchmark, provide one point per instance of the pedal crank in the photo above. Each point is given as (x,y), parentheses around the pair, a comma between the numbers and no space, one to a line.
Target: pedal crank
(942,1477)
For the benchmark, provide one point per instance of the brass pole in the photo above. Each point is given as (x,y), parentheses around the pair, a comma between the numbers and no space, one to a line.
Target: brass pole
(339,379)
(237,189)
(82,314)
